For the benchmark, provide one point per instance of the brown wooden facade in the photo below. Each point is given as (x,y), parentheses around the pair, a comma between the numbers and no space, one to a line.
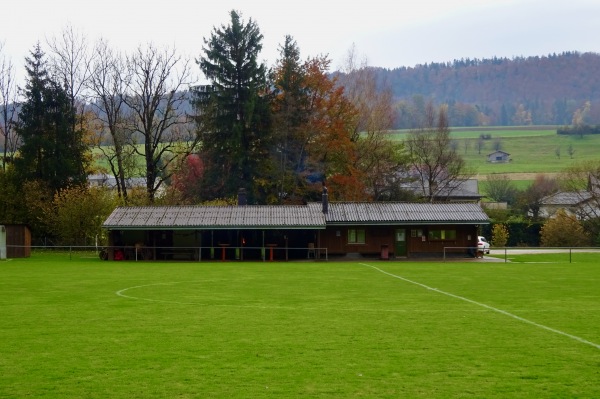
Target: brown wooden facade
(400,241)
(18,241)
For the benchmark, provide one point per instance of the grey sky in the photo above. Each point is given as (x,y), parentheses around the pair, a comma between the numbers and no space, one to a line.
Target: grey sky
(387,33)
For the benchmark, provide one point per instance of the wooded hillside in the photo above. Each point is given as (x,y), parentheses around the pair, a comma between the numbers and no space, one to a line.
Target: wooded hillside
(551,89)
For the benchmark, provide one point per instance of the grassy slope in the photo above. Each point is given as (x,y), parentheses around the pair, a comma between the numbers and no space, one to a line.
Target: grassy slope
(533,151)
(289,330)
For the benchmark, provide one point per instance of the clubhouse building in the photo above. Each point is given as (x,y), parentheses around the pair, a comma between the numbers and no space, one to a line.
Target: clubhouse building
(318,230)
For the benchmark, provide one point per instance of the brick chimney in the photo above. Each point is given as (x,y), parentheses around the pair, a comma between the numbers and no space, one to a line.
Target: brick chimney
(242,199)
(325,200)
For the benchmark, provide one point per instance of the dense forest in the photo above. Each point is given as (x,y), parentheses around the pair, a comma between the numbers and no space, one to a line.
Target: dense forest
(558,89)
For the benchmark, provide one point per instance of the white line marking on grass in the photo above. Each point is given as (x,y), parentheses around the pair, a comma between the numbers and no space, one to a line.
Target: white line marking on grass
(121,292)
(583,341)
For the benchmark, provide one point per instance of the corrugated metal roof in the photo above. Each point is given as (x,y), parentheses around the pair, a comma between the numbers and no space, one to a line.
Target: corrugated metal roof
(567,198)
(215,217)
(293,216)
(403,213)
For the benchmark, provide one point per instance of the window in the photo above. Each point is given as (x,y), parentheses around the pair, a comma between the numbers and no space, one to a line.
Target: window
(442,235)
(356,236)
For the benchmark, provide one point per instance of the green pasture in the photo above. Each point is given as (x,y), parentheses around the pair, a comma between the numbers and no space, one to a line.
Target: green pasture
(533,150)
(533,154)
(77,327)
(494,132)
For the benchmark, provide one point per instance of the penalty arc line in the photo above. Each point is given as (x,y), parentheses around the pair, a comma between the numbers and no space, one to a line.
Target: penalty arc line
(574,337)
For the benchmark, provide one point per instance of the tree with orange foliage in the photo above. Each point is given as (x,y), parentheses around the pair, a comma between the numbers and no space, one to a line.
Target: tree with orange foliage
(331,148)
(381,161)
(313,130)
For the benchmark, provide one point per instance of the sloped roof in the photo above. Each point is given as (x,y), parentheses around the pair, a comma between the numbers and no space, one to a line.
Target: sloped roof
(566,198)
(498,152)
(457,190)
(215,217)
(402,213)
(293,216)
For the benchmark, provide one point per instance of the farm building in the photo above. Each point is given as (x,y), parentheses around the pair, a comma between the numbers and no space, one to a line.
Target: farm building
(283,232)
(583,204)
(498,157)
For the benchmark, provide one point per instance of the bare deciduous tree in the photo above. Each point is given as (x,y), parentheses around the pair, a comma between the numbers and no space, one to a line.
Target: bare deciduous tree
(381,161)
(438,167)
(8,109)
(107,84)
(70,64)
(531,199)
(500,188)
(156,96)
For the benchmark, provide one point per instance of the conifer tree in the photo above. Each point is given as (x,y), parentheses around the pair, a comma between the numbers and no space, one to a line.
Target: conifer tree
(233,113)
(290,107)
(52,151)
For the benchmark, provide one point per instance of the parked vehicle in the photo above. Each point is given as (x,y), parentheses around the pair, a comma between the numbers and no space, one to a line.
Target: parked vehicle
(483,245)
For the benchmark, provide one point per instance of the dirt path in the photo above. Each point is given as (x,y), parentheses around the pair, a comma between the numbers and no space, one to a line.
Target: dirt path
(518,176)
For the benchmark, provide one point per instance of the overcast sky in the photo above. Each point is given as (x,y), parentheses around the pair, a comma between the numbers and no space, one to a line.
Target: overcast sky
(386,33)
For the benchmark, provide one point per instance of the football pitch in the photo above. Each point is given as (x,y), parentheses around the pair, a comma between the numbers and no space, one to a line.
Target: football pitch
(79,327)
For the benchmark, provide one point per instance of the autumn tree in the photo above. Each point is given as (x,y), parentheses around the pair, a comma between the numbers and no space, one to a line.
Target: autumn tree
(582,181)
(499,235)
(184,185)
(233,113)
(580,116)
(316,131)
(77,213)
(438,168)
(563,230)
(52,151)
(156,126)
(381,161)
(530,200)
(8,109)
(330,129)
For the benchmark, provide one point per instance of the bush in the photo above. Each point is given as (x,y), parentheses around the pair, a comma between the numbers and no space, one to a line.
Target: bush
(499,235)
(519,233)
(578,130)
(564,231)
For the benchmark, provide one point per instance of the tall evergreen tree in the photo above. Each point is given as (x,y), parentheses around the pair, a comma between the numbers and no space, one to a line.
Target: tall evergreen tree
(290,105)
(52,151)
(234,113)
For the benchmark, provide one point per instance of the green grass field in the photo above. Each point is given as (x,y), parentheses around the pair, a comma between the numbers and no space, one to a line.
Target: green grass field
(84,328)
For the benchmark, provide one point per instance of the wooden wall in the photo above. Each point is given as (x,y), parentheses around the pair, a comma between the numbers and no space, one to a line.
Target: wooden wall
(18,241)
(335,239)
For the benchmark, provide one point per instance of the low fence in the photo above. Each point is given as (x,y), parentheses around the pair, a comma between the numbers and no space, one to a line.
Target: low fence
(204,253)
(505,252)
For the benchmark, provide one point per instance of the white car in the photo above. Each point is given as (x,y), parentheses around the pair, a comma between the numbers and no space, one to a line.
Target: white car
(483,245)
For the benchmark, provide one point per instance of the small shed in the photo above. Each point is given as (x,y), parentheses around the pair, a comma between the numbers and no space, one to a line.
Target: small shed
(18,241)
(2,242)
(498,157)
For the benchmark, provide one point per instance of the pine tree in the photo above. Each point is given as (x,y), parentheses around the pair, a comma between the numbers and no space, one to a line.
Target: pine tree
(290,105)
(234,114)
(52,151)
